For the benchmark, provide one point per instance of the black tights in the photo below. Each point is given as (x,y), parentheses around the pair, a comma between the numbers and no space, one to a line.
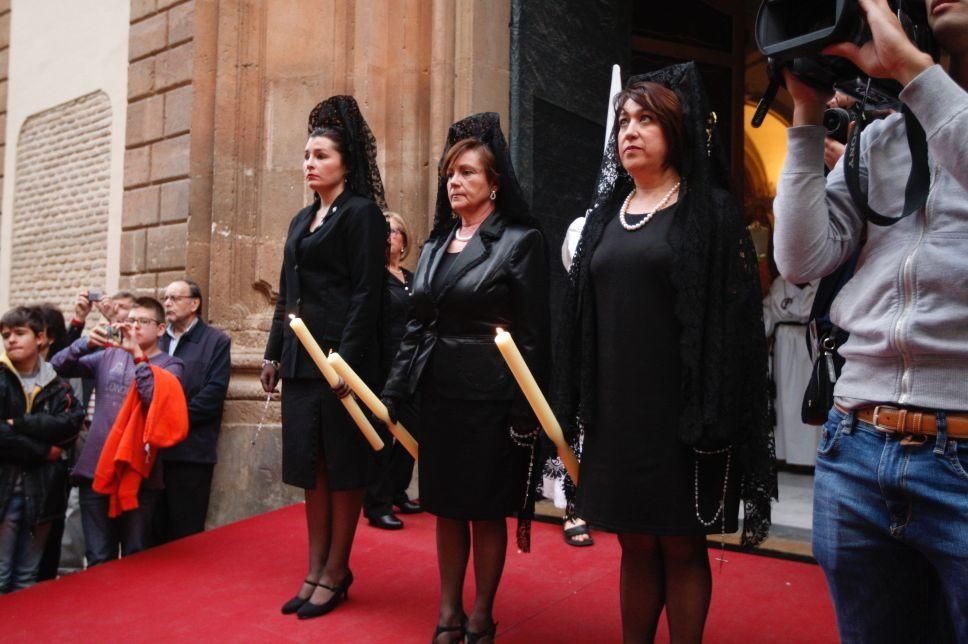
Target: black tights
(331,519)
(670,572)
(454,545)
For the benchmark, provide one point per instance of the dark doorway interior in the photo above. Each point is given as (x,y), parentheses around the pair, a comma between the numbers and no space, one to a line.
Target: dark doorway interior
(562,52)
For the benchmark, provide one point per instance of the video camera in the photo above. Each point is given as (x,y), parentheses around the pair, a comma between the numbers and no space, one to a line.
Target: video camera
(792,33)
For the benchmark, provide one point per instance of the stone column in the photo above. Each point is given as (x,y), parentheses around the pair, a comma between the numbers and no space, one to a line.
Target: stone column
(219,96)
(168,157)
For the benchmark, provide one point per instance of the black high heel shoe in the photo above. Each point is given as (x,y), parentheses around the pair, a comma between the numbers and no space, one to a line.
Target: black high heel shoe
(293,604)
(340,591)
(440,630)
(470,637)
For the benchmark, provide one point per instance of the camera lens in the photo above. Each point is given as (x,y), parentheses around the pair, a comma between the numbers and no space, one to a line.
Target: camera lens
(835,119)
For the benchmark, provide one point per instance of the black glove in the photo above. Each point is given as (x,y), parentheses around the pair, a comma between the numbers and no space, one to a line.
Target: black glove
(393,406)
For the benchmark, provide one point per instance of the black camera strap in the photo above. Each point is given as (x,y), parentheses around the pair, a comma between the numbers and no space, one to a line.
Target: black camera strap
(919,180)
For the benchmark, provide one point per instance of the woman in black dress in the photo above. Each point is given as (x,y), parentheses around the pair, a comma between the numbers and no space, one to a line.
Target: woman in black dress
(662,357)
(483,267)
(332,277)
(395,464)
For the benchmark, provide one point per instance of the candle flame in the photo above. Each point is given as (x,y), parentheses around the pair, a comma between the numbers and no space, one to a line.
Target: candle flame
(500,330)
(292,316)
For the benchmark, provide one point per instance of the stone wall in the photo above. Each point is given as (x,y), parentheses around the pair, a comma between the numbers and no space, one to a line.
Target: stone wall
(156,211)
(212,197)
(61,198)
(414,66)
(4,80)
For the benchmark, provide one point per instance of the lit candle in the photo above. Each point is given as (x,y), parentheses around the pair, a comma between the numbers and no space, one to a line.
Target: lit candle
(371,400)
(515,361)
(312,348)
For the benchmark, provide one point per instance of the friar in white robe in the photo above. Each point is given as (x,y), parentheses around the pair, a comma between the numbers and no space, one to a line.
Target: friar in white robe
(786,310)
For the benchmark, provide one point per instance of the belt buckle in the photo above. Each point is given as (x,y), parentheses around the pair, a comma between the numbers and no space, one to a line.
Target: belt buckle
(877,411)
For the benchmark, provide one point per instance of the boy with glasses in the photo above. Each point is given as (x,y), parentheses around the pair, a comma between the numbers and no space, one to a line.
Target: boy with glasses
(128,349)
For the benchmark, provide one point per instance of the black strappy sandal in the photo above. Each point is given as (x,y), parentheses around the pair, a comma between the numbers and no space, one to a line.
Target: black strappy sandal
(471,637)
(440,630)
(571,533)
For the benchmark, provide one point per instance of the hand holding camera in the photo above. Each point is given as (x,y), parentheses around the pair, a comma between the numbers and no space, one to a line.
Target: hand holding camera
(127,340)
(889,53)
(82,305)
(104,335)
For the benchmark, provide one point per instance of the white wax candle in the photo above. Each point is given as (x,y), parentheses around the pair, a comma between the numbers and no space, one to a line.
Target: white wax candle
(312,348)
(515,361)
(372,401)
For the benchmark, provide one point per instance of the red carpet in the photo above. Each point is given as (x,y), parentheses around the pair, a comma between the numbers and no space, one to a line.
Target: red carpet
(227,585)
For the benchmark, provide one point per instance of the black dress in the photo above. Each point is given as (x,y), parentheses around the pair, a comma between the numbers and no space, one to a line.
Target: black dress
(333,278)
(636,474)
(395,465)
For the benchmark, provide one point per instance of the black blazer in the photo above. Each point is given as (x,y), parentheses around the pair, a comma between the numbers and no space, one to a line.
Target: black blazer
(335,284)
(500,279)
(206,352)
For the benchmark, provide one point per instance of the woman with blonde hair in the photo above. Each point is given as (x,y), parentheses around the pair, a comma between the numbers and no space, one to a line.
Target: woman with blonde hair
(396,465)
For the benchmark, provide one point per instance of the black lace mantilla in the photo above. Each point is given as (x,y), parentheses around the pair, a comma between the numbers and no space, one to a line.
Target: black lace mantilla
(342,113)
(722,345)
(510,201)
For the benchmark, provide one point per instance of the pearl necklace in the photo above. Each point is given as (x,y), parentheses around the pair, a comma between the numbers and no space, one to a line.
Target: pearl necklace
(472,228)
(648,216)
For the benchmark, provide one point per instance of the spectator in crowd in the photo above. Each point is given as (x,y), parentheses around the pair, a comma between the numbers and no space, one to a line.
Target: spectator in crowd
(39,418)
(61,552)
(128,349)
(55,339)
(113,309)
(55,330)
(395,464)
(188,466)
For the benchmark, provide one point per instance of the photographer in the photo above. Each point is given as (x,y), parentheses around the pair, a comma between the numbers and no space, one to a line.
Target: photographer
(890,512)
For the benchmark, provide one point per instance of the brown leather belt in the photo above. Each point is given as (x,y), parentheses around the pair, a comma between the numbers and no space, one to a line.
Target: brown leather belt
(911,422)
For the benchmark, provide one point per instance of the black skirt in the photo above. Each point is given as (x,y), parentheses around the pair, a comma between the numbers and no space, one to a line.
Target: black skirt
(469,467)
(315,426)
(636,474)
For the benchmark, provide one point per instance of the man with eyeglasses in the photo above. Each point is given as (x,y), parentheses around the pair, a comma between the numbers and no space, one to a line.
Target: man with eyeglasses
(188,466)
(115,355)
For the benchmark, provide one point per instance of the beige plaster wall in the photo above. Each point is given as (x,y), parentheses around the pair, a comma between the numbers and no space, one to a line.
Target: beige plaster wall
(61,50)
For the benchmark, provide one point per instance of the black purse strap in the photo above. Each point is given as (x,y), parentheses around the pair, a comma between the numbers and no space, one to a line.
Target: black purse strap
(919,179)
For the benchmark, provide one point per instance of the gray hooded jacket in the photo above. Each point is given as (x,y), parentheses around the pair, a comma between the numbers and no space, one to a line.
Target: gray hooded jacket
(906,307)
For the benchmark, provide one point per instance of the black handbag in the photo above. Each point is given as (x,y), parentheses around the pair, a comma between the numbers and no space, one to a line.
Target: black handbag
(827,363)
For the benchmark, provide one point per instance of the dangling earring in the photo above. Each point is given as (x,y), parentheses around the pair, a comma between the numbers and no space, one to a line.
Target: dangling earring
(711,121)
(493,195)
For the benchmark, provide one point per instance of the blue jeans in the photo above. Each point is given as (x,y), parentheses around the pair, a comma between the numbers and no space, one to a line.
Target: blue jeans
(103,535)
(21,547)
(890,530)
